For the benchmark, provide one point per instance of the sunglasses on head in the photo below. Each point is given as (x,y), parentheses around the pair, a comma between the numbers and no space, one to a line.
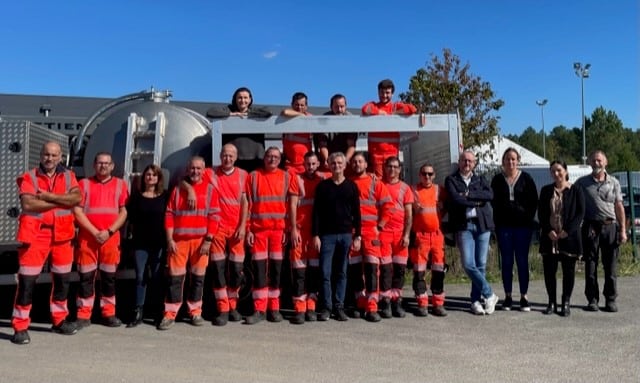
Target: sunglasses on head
(429,174)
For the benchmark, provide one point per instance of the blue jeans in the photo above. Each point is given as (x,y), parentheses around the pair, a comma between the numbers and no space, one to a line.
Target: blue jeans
(331,260)
(151,258)
(474,249)
(514,242)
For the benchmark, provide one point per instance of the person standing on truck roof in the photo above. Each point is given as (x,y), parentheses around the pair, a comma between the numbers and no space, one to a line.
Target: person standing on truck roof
(303,255)
(382,145)
(45,229)
(375,212)
(269,191)
(189,236)
(100,215)
(515,201)
(428,210)
(250,146)
(603,231)
(145,212)
(327,143)
(395,241)
(296,145)
(227,247)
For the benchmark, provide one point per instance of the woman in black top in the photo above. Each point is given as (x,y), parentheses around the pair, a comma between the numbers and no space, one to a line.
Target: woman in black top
(515,201)
(145,211)
(561,211)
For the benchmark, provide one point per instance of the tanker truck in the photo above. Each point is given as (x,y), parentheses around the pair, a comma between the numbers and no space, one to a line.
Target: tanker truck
(145,127)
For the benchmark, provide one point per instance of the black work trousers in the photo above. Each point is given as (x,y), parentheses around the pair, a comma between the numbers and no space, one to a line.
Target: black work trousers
(600,239)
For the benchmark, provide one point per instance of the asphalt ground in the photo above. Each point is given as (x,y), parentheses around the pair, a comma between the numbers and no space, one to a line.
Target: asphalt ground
(503,347)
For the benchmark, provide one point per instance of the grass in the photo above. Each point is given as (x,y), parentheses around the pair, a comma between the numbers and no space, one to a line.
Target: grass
(627,266)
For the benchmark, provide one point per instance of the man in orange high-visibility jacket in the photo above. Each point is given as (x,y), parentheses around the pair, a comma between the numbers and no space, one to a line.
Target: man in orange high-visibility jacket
(45,228)
(100,216)
(189,235)
(375,211)
(382,145)
(296,145)
(395,241)
(305,263)
(428,210)
(268,190)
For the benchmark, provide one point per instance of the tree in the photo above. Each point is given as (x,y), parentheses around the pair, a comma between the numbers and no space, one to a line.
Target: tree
(447,86)
(604,131)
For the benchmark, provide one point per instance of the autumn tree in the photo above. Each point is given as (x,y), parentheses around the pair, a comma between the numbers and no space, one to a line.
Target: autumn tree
(446,86)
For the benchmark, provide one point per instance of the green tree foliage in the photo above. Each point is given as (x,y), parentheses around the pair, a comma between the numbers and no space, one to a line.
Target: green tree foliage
(447,86)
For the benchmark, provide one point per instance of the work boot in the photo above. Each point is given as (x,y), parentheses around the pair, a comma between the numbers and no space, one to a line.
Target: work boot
(397,309)
(439,311)
(274,316)
(611,306)
(324,315)
(340,315)
(111,321)
(137,317)
(83,323)
(221,319)
(65,328)
(196,320)
(21,337)
(385,308)
(256,317)
(166,323)
(234,316)
(593,305)
(311,316)
(372,316)
(354,313)
(421,311)
(297,318)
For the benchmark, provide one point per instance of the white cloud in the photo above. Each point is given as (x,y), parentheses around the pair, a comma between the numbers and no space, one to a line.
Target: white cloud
(269,55)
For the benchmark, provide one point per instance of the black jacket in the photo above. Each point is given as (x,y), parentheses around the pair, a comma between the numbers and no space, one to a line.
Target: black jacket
(521,211)
(572,216)
(478,195)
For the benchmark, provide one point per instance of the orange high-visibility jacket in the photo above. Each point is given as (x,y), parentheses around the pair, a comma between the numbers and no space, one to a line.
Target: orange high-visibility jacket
(295,146)
(386,142)
(401,195)
(61,219)
(375,201)
(426,216)
(193,223)
(307,187)
(230,189)
(101,201)
(267,192)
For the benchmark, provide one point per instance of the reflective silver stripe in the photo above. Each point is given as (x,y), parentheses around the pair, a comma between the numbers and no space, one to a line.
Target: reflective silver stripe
(101,210)
(181,230)
(273,293)
(369,217)
(427,210)
(67,185)
(254,190)
(188,213)
(367,203)
(382,201)
(400,201)
(230,201)
(62,212)
(292,137)
(29,270)
(268,215)
(270,198)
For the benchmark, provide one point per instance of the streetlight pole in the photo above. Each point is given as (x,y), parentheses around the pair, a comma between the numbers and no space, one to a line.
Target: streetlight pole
(541,104)
(582,72)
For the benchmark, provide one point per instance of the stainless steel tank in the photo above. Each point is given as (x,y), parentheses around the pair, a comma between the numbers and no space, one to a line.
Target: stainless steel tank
(186,133)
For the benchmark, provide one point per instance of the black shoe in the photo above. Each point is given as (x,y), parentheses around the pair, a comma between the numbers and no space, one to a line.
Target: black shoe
(566,309)
(274,316)
(385,308)
(354,313)
(592,306)
(372,316)
(196,320)
(65,328)
(297,318)
(421,312)
(396,308)
(507,303)
(221,319)
(324,315)
(137,318)
(21,337)
(340,315)
(234,316)
(256,317)
(611,306)
(165,324)
(310,316)
(439,311)
(524,305)
(112,321)
(83,323)
(551,308)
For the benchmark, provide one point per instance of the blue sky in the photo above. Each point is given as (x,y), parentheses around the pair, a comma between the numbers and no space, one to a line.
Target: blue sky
(204,50)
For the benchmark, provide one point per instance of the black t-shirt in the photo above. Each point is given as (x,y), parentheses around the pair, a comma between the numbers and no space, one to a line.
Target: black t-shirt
(146,217)
(336,208)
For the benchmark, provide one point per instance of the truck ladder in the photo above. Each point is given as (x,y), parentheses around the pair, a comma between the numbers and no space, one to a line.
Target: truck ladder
(144,144)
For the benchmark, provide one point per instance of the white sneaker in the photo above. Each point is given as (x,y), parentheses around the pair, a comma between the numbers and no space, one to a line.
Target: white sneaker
(490,304)
(476,308)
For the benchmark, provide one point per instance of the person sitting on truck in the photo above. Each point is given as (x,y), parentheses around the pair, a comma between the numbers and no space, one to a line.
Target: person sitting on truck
(250,146)
(382,145)
(296,145)
(45,229)
(100,215)
(327,143)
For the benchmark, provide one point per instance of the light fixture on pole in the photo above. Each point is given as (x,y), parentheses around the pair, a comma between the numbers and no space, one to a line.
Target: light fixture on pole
(541,104)
(582,72)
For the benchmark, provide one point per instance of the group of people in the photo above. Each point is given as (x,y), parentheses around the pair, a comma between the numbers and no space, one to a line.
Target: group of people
(347,220)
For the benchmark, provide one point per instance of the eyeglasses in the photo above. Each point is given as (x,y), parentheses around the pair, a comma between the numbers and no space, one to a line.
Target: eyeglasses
(103,163)
(427,174)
